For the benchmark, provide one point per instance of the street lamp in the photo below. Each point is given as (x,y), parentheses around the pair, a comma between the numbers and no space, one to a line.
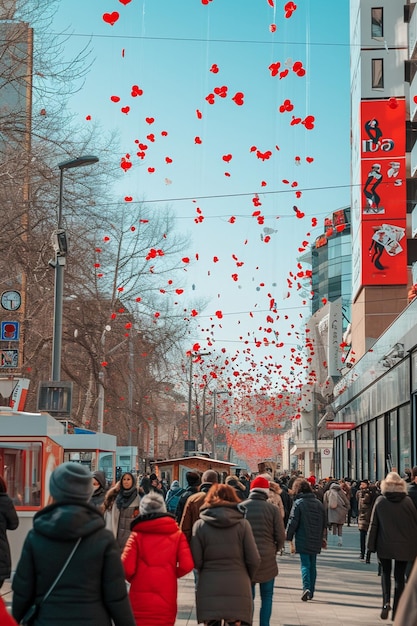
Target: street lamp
(192,356)
(215,393)
(61,250)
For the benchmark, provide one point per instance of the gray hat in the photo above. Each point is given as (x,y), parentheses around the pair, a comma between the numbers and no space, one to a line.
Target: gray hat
(100,478)
(210,476)
(71,482)
(152,503)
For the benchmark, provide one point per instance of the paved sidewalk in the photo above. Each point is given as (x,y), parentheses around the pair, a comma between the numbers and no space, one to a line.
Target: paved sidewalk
(348,591)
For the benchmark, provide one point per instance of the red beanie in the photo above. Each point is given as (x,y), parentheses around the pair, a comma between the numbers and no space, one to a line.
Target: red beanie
(261,484)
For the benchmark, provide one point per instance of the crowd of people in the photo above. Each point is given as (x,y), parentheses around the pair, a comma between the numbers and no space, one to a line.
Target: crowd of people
(101,555)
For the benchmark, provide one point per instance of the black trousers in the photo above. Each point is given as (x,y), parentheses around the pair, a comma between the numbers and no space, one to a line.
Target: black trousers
(399,581)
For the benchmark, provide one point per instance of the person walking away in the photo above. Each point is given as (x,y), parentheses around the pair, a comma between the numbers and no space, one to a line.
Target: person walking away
(154,557)
(226,557)
(193,504)
(124,509)
(269,533)
(337,505)
(193,483)
(366,496)
(92,589)
(239,487)
(393,536)
(99,493)
(307,524)
(8,521)
(173,497)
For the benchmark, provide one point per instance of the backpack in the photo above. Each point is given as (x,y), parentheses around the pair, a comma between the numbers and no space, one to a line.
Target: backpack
(173,500)
(333,499)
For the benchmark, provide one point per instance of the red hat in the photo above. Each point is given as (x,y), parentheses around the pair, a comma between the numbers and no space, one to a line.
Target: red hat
(260,484)
(312,480)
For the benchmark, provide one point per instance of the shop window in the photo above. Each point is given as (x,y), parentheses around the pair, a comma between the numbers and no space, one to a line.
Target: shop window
(377,73)
(377,23)
(22,464)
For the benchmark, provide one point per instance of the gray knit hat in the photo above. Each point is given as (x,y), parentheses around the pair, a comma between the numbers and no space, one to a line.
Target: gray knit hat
(71,482)
(152,503)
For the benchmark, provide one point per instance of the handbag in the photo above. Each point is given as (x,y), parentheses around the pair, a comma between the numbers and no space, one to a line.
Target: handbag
(29,617)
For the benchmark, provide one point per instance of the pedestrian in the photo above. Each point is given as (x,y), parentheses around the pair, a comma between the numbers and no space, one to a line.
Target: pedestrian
(122,503)
(393,536)
(193,504)
(193,484)
(8,521)
(155,556)
(156,485)
(269,533)
(366,496)
(91,590)
(412,488)
(337,505)
(5,618)
(173,497)
(99,493)
(307,524)
(239,487)
(226,557)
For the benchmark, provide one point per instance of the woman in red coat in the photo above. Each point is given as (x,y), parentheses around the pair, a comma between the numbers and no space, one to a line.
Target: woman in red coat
(155,556)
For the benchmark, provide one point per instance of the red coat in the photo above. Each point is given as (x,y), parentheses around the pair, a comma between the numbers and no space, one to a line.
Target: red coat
(155,556)
(5,618)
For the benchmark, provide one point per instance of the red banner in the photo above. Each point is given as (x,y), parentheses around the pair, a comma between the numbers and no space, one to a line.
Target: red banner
(340,425)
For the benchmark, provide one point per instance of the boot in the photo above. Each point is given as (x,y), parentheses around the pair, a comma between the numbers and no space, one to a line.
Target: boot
(368,557)
(339,542)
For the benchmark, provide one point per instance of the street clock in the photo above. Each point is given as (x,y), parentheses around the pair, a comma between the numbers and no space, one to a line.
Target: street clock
(11,300)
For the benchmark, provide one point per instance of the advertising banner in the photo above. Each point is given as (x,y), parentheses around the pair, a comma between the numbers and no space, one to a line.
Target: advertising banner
(383,193)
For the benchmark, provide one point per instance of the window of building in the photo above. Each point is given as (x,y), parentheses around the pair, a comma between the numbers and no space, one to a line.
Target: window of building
(377,73)
(22,465)
(377,23)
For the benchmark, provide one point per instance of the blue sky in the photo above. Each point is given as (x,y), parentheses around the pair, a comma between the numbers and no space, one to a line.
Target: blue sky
(168,50)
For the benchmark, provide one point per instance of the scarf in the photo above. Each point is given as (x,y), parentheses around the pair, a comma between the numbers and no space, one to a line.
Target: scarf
(125,497)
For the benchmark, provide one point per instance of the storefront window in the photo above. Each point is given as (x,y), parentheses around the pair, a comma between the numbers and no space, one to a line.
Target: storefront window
(404,437)
(21,464)
(393,442)
(380,442)
(372,450)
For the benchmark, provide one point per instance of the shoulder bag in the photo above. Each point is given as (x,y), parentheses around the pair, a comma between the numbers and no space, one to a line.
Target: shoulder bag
(32,612)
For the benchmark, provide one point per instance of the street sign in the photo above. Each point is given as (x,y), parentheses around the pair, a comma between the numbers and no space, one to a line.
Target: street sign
(340,425)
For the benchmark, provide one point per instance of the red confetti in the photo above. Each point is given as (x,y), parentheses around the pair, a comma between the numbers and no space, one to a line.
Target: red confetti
(111,18)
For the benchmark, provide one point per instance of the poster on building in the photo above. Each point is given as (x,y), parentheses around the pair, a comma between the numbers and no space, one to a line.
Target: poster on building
(384,260)
(383,193)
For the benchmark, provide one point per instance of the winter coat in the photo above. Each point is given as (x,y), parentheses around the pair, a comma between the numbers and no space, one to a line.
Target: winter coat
(192,508)
(226,557)
(269,532)
(8,521)
(155,556)
(365,499)
(337,515)
(92,590)
(5,618)
(392,532)
(307,524)
(173,497)
(118,520)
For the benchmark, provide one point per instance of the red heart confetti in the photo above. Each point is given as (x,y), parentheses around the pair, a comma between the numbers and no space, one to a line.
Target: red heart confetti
(214,68)
(111,18)
(238,98)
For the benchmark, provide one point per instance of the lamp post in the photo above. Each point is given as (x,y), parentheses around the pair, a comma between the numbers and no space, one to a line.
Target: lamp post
(215,393)
(61,249)
(190,387)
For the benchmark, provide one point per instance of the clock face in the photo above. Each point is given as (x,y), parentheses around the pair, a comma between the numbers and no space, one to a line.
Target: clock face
(11,300)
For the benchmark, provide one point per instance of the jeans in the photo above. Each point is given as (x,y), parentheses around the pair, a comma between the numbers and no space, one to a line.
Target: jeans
(308,571)
(267,591)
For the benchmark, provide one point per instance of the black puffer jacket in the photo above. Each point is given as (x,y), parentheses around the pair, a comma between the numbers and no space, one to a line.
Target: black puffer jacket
(307,523)
(92,590)
(393,529)
(8,521)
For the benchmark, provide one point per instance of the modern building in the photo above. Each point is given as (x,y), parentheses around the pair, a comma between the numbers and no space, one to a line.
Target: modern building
(375,403)
(383,164)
